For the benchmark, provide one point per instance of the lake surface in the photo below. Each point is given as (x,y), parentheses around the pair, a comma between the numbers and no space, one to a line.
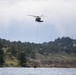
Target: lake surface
(37,71)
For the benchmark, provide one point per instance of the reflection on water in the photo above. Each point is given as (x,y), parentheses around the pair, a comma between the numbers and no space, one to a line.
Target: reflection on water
(37,71)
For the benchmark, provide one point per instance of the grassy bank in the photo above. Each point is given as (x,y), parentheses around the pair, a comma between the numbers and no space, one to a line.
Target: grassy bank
(51,60)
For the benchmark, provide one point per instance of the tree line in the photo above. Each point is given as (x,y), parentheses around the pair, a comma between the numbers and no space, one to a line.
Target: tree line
(23,50)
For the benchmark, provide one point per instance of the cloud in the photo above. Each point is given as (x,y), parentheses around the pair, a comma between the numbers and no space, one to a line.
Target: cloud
(63,15)
(58,11)
(60,16)
(18,11)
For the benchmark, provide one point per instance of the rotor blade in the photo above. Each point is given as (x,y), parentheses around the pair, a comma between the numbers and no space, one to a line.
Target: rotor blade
(42,16)
(32,15)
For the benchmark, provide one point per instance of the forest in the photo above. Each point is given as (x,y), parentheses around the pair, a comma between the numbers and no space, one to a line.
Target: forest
(58,53)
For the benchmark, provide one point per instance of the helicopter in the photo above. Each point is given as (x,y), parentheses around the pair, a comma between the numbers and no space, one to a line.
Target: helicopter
(37,18)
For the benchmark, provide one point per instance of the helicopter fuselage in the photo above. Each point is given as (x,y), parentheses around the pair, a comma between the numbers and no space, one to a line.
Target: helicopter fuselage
(38,19)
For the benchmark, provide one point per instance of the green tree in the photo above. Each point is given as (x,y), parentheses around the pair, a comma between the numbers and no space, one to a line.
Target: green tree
(1,55)
(33,55)
(22,59)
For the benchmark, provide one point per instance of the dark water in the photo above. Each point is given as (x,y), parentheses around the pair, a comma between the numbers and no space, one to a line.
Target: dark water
(37,71)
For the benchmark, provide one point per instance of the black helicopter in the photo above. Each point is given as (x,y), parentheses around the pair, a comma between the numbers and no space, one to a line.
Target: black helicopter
(37,18)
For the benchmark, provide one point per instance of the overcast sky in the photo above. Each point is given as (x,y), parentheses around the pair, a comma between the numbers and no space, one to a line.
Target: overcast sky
(59,20)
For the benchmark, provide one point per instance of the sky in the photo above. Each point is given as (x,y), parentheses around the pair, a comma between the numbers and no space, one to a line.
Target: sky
(59,20)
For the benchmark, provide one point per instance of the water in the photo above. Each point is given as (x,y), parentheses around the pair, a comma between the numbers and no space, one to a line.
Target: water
(37,71)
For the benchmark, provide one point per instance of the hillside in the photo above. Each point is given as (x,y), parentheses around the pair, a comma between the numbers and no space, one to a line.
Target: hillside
(58,53)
